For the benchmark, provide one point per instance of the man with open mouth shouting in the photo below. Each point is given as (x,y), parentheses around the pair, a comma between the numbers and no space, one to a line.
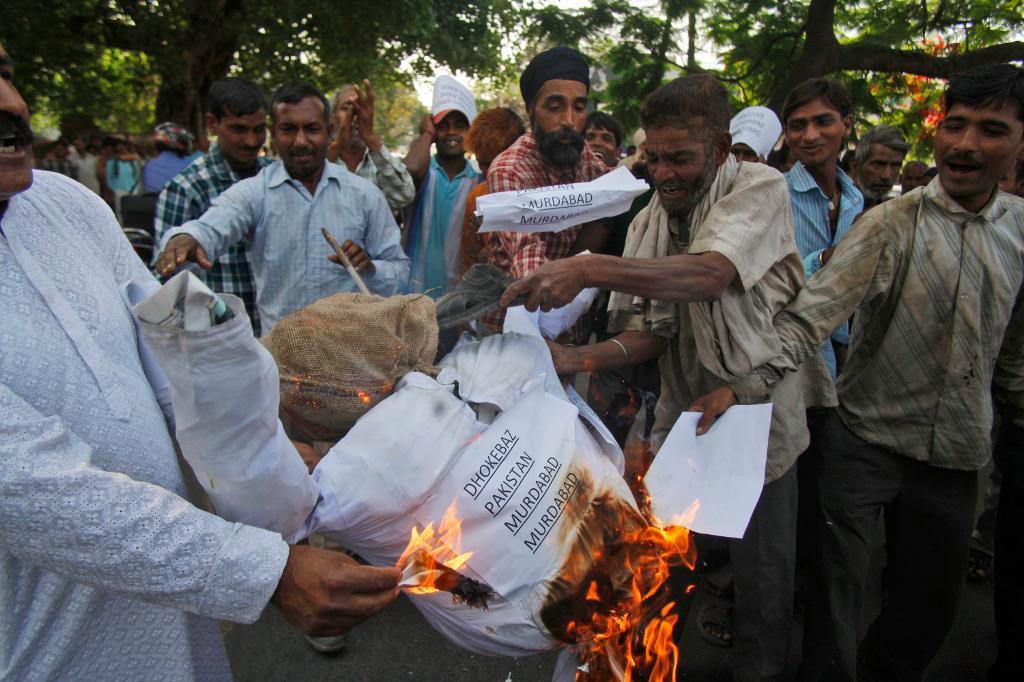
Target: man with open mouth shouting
(934,277)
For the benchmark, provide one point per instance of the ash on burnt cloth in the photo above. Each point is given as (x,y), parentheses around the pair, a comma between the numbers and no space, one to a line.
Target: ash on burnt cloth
(616,574)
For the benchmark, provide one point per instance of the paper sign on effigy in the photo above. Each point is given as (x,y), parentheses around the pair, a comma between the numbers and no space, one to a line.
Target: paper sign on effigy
(711,483)
(558,207)
(511,488)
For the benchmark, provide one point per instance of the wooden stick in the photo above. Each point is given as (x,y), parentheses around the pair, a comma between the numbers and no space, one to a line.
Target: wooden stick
(345,261)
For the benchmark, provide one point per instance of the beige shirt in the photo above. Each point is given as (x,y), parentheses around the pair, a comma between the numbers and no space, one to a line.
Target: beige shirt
(755,232)
(937,292)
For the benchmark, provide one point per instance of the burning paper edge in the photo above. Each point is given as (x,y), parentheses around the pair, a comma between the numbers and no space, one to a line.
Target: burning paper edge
(443,548)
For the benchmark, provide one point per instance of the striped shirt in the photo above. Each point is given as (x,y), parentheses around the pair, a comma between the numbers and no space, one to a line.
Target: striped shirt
(814,235)
(185,198)
(937,291)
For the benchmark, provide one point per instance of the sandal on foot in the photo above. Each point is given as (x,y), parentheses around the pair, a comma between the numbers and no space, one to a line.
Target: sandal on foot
(979,564)
(711,617)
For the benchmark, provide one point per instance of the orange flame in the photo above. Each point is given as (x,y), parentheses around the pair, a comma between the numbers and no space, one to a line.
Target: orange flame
(629,634)
(430,560)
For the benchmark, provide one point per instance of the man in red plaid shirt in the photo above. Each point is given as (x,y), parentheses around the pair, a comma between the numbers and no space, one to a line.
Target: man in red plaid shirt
(555,86)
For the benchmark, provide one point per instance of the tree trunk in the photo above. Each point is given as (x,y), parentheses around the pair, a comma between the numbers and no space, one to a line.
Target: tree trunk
(202,54)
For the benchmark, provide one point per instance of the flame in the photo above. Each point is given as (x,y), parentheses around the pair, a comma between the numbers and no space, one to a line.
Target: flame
(431,559)
(612,599)
(628,635)
(365,397)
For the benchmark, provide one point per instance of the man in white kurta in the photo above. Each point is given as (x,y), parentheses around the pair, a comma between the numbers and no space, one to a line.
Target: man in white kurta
(106,571)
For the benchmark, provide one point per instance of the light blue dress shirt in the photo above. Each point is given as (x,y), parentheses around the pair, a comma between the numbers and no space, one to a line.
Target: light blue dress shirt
(289,255)
(811,229)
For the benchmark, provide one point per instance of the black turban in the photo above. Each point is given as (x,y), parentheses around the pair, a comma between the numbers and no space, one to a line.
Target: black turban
(558,63)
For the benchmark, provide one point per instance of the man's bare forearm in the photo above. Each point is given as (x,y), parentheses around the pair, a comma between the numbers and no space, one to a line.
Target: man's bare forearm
(629,348)
(673,279)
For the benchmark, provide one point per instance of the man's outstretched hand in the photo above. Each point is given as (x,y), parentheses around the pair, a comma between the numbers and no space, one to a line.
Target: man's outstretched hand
(713,405)
(325,593)
(179,249)
(552,285)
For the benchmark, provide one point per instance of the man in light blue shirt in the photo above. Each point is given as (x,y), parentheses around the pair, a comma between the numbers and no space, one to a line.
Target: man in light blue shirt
(817,122)
(282,210)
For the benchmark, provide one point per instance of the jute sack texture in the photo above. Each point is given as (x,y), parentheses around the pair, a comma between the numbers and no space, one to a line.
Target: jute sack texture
(341,355)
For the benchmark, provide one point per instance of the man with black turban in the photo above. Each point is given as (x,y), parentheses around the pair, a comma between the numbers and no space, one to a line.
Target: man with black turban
(555,86)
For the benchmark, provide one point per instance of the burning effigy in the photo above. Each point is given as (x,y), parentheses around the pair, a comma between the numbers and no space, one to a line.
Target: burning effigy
(497,492)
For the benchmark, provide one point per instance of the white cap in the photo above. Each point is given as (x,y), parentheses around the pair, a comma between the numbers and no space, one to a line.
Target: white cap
(450,94)
(758,128)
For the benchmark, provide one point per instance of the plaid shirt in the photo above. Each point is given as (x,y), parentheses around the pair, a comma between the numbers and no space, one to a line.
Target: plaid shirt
(187,197)
(522,167)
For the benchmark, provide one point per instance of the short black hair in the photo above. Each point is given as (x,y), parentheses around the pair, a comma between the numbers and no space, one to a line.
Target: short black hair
(696,100)
(603,121)
(987,85)
(234,97)
(778,157)
(833,92)
(295,92)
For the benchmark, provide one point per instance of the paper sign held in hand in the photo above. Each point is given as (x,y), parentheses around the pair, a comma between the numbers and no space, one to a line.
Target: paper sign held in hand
(711,483)
(558,207)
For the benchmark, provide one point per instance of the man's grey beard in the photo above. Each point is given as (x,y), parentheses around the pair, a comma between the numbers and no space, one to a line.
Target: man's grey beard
(872,195)
(682,210)
(557,152)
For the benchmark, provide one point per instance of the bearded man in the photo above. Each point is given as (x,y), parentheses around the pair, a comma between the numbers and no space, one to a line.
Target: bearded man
(555,87)
(705,266)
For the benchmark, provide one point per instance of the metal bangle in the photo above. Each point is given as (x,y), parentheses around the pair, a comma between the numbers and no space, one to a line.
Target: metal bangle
(623,348)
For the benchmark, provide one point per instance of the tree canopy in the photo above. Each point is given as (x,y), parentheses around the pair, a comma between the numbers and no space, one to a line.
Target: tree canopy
(75,55)
(888,53)
(126,64)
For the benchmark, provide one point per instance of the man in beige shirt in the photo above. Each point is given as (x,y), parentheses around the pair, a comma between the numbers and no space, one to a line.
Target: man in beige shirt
(934,277)
(707,264)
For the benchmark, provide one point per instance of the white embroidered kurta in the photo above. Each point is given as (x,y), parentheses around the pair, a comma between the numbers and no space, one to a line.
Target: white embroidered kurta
(106,572)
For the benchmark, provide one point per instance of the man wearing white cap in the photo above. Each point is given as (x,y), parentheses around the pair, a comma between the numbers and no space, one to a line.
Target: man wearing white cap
(433,224)
(755,130)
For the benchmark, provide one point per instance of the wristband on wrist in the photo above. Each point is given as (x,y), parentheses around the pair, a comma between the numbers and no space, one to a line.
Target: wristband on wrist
(621,347)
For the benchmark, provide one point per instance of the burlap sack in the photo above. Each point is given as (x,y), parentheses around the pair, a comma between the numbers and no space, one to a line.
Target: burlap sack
(341,355)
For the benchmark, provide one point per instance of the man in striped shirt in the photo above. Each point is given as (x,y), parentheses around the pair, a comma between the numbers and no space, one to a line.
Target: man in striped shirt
(935,279)
(817,122)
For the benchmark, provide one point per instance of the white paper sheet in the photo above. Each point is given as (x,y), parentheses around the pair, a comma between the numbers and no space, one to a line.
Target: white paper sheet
(711,483)
(558,207)
(511,488)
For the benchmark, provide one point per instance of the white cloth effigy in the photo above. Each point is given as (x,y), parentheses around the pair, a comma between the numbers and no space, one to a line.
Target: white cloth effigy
(106,571)
(402,463)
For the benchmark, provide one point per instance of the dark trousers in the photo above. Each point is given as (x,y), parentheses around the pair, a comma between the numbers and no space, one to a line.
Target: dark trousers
(764,563)
(1009,561)
(929,514)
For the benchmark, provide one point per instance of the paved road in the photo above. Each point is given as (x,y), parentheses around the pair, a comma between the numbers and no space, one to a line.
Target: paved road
(400,645)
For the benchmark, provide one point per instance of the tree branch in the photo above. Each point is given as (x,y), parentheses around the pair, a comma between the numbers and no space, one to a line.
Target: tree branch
(868,57)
